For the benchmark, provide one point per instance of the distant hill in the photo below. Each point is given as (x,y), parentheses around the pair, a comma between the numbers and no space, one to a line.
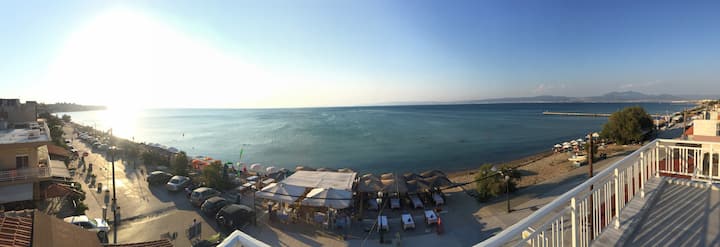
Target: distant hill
(612,97)
(66,107)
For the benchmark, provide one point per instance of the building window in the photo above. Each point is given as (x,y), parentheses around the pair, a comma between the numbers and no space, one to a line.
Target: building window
(22,161)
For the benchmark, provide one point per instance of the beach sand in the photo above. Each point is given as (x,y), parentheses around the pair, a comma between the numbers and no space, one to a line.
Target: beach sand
(539,167)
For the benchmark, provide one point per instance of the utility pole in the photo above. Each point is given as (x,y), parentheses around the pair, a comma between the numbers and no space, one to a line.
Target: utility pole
(114,199)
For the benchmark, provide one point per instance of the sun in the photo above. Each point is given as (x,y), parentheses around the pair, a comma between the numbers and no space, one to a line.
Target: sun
(128,59)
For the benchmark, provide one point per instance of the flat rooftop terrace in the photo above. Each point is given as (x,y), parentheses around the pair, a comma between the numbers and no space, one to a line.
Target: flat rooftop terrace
(29,133)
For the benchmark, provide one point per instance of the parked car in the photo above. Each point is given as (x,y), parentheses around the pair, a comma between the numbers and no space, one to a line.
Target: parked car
(177,183)
(97,224)
(213,204)
(158,177)
(234,216)
(201,194)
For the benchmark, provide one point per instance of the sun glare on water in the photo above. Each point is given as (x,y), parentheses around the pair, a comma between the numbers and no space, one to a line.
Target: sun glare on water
(122,120)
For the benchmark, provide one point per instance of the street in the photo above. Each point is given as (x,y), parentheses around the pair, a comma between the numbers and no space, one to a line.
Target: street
(145,213)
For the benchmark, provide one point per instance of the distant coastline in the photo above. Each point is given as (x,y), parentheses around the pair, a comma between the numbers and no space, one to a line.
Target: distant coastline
(67,107)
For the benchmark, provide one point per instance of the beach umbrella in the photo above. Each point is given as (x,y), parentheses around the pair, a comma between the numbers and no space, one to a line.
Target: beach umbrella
(331,198)
(322,169)
(369,183)
(281,192)
(431,173)
(411,176)
(558,146)
(595,135)
(271,169)
(345,170)
(368,175)
(438,181)
(393,184)
(303,168)
(256,167)
(387,176)
(415,186)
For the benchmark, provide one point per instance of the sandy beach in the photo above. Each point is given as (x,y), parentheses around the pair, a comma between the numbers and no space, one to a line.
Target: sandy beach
(539,167)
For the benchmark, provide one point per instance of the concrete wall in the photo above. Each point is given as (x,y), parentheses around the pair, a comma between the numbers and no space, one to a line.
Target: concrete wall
(705,127)
(8,153)
(13,112)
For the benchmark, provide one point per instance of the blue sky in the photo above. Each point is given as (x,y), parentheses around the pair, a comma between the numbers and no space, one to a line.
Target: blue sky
(325,53)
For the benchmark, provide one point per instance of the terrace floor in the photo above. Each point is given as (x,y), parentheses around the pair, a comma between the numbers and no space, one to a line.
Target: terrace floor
(673,213)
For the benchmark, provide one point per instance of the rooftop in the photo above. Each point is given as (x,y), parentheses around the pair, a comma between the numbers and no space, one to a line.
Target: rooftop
(30,132)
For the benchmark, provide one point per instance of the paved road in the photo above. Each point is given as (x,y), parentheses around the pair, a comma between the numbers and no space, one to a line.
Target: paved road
(146,212)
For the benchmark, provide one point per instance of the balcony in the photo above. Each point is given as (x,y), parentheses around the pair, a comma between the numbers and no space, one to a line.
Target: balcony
(24,174)
(665,193)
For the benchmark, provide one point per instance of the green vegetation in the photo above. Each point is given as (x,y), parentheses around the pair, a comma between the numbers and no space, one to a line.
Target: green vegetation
(56,132)
(66,118)
(213,176)
(180,164)
(491,183)
(153,158)
(80,208)
(628,125)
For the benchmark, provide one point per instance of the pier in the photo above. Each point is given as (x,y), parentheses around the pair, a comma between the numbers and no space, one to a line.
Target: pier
(583,114)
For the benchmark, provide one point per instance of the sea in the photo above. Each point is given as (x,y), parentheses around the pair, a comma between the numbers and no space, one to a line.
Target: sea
(366,139)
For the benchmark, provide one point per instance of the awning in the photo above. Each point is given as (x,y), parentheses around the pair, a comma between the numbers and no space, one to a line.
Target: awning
(58,169)
(331,198)
(281,192)
(16,193)
(238,238)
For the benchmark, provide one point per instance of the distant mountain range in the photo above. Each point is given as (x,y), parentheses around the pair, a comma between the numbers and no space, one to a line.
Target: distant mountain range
(612,97)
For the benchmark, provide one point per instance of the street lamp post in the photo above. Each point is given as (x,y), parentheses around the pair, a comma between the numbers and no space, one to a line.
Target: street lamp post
(506,175)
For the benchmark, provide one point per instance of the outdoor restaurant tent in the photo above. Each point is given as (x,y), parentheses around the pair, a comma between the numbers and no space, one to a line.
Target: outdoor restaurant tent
(281,192)
(316,179)
(331,198)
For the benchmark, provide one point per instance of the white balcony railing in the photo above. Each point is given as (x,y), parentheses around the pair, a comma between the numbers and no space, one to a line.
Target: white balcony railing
(24,174)
(583,213)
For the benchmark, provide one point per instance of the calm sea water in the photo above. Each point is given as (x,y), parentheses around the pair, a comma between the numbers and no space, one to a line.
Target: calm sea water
(368,139)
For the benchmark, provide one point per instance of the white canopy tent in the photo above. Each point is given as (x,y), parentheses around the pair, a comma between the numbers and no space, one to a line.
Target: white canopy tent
(327,180)
(331,198)
(281,192)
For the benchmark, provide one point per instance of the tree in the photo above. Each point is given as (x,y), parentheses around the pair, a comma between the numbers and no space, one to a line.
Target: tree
(66,118)
(628,125)
(213,176)
(180,164)
(55,125)
(491,183)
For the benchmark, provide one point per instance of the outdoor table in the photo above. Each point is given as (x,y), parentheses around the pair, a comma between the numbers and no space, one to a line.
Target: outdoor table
(383,223)
(438,199)
(417,203)
(408,221)
(373,204)
(395,203)
(430,217)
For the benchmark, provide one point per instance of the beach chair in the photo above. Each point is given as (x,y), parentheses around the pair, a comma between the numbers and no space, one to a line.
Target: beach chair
(417,203)
(437,197)
(430,217)
(407,221)
(383,223)
(395,203)
(373,204)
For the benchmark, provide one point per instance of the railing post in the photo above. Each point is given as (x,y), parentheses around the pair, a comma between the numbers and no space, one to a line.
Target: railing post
(617,198)
(641,180)
(574,222)
(657,159)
